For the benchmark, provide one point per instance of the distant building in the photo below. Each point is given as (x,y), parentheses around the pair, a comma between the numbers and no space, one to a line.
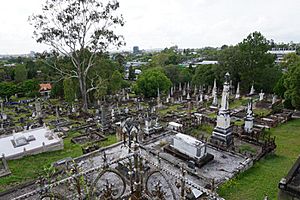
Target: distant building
(280,53)
(136,50)
(45,89)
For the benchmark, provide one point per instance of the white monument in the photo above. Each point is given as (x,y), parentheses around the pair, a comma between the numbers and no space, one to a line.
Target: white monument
(237,94)
(252,90)
(189,146)
(249,118)
(274,99)
(214,94)
(222,133)
(261,95)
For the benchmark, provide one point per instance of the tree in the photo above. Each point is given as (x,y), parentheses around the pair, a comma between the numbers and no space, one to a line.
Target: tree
(69,90)
(78,30)
(172,72)
(116,81)
(204,75)
(150,80)
(291,82)
(7,89)
(57,89)
(20,73)
(250,62)
(30,88)
(131,73)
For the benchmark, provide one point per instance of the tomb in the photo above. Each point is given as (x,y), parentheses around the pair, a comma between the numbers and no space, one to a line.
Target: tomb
(30,142)
(189,149)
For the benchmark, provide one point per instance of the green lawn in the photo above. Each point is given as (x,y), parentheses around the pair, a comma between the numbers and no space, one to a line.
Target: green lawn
(28,168)
(238,103)
(169,109)
(262,179)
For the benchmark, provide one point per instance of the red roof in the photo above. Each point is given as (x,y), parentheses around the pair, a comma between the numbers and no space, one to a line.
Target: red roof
(45,86)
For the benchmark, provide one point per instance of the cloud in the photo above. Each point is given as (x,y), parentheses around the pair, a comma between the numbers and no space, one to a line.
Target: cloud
(161,23)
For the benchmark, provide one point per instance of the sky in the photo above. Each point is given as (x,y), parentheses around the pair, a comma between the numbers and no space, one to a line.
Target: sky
(164,23)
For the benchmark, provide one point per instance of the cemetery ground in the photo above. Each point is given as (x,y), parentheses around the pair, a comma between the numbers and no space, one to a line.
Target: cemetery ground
(263,178)
(30,167)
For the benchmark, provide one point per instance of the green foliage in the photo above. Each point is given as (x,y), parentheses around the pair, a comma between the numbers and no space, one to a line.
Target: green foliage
(204,75)
(69,90)
(249,62)
(131,73)
(57,89)
(172,72)
(291,81)
(7,89)
(20,73)
(150,80)
(30,88)
(115,82)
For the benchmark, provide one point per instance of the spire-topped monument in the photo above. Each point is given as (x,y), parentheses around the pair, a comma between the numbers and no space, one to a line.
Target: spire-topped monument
(214,94)
(222,133)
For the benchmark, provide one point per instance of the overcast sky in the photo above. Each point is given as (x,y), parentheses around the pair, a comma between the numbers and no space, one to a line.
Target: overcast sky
(163,23)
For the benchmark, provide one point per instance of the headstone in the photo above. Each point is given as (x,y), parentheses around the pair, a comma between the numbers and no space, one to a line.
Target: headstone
(214,94)
(261,95)
(274,98)
(188,96)
(38,107)
(2,108)
(237,94)
(222,133)
(252,90)
(249,118)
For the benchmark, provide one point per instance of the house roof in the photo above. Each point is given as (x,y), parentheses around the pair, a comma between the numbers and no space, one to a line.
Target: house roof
(45,86)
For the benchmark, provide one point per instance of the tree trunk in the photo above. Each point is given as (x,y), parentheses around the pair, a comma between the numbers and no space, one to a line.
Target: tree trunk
(82,84)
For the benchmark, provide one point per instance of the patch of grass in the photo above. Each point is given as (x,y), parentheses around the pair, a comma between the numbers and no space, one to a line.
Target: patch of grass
(29,168)
(263,178)
(212,115)
(169,109)
(111,139)
(239,123)
(238,103)
(246,148)
(262,112)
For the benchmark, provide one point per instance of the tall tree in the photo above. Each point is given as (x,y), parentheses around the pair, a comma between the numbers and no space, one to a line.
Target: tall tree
(150,80)
(20,73)
(69,90)
(79,30)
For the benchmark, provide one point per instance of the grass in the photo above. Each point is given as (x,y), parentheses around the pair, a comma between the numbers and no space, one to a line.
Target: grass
(263,178)
(239,122)
(29,168)
(169,109)
(261,112)
(238,103)
(247,148)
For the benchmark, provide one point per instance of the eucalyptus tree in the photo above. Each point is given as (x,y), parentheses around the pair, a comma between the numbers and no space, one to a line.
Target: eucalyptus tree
(79,30)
